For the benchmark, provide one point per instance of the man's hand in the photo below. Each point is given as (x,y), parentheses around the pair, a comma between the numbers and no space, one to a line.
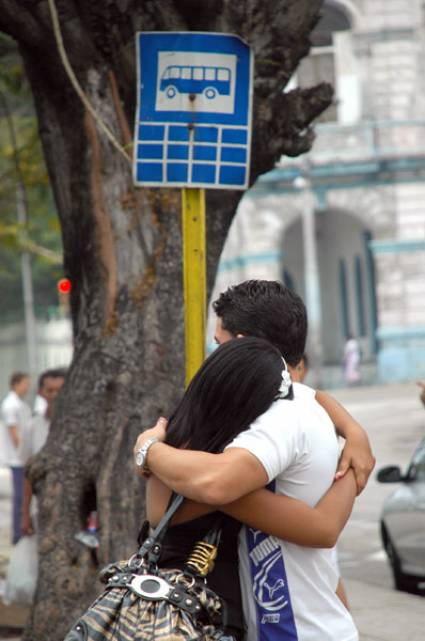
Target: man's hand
(157,431)
(27,527)
(14,435)
(357,454)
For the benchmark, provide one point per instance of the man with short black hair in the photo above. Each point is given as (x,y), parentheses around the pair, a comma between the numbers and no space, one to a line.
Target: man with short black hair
(265,309)
(40,402)
(15,415)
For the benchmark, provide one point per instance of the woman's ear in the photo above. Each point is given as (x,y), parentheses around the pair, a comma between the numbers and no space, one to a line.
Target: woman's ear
(240,335)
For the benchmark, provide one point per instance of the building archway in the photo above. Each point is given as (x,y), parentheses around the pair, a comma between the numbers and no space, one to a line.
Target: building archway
(347,279)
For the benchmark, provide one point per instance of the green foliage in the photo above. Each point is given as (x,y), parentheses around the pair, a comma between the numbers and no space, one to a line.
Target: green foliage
(21,159)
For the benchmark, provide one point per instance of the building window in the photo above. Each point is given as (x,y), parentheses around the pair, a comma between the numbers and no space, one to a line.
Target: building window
(334,18)
(319,66)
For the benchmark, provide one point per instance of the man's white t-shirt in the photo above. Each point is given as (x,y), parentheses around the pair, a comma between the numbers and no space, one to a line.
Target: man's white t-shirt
(34,436)
(13,412)
(40,405)
(288,591)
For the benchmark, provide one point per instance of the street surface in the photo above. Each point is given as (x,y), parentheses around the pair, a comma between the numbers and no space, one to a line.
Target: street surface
(395,421)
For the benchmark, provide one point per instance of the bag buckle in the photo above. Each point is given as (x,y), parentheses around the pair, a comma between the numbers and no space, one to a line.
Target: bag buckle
(149,586)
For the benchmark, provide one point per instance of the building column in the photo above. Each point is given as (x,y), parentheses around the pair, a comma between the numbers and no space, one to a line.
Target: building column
(312,278)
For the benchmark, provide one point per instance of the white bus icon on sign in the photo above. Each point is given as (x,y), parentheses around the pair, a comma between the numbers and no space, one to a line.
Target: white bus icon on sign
(208,77)
(191,79)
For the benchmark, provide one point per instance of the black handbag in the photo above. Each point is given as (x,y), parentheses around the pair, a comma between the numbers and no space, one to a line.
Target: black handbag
(144,603)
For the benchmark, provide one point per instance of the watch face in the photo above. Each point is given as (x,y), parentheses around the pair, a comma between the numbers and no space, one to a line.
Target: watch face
(140,457)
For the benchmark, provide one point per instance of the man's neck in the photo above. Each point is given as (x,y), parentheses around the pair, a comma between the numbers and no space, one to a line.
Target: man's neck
(294,374)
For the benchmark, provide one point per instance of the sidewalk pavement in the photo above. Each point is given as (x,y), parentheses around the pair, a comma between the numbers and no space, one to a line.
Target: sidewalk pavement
(380,614)
(386,615)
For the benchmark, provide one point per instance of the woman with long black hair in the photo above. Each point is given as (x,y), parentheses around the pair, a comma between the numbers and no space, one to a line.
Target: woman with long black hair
(238,383)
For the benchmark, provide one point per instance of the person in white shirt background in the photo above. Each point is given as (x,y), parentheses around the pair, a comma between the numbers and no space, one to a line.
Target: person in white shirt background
(40,404)
(35,435)
(352,358)
(15,414)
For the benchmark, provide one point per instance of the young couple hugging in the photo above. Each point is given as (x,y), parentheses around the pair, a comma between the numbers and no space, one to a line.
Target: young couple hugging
(249,441)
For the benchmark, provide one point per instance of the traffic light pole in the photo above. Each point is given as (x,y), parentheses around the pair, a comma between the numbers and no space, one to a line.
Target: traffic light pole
(194,278)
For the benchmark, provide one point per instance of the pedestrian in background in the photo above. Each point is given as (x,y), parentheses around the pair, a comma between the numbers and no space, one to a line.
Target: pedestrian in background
(35,435)
(352,358)
(15,415)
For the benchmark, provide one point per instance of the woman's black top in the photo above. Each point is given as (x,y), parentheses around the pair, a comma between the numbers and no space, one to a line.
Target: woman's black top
(178,544)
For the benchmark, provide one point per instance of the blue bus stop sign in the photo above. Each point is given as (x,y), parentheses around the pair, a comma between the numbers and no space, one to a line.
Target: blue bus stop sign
(193,121)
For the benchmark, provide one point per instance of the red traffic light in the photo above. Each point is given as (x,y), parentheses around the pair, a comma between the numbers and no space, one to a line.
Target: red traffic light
(64,286)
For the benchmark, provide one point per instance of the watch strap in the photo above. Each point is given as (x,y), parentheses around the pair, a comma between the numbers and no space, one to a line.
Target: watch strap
(143,451)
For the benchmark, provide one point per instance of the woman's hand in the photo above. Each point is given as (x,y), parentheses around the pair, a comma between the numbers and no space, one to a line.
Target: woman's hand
(157,431)
(357,455)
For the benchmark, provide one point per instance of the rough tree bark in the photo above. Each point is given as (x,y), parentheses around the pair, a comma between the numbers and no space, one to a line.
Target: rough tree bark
(122,251)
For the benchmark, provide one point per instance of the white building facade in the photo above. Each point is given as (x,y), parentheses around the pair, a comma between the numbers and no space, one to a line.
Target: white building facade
(349,235)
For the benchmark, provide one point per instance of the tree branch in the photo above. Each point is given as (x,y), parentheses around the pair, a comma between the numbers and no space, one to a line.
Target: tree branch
(18,21)
(292,134)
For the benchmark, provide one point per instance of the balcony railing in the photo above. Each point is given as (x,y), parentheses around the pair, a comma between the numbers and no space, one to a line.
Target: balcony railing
(368,140)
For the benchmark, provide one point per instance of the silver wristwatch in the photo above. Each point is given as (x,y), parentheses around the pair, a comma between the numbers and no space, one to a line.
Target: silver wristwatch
(142,453)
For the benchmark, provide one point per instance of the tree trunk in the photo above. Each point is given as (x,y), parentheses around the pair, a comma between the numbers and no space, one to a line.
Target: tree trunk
(122,252)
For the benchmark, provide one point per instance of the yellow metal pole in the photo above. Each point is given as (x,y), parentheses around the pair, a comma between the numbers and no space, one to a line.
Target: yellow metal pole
(194,278)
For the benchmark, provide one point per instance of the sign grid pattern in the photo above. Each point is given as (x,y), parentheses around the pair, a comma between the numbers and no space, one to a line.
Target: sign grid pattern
(214,155)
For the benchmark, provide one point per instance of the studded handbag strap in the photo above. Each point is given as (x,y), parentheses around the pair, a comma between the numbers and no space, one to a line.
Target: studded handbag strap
(158,534)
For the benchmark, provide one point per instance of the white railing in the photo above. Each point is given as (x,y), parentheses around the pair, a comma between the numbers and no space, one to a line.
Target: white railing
(368,140)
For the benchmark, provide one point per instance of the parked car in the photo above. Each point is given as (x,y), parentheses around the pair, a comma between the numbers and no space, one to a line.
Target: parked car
(403,522)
